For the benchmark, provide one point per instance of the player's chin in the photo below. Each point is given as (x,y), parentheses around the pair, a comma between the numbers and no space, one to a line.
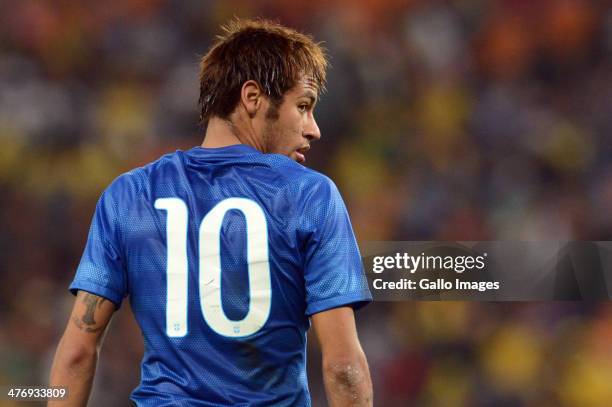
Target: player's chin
(298,157)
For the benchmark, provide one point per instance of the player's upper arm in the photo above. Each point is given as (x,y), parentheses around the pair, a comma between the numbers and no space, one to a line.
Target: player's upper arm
(333,273)
(103,266)
(337,335)
(345,368)
(88,320)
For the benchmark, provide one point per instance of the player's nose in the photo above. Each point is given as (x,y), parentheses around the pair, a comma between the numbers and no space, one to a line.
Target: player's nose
(311,131)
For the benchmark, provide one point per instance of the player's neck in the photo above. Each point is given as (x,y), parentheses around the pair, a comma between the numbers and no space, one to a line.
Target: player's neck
(223,133)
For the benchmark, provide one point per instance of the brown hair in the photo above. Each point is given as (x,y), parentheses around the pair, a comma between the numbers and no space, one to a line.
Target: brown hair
(274,56)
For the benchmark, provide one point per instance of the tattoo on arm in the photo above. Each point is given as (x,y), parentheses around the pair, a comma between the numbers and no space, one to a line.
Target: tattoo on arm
(87,322)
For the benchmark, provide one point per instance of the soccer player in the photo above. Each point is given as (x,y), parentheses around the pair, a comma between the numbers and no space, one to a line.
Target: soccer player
(230,250)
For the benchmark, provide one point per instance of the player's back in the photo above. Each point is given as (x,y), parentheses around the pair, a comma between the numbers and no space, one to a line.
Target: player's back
(225,253)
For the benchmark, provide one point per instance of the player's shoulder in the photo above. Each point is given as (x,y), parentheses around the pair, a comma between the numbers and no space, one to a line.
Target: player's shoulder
(174,160)
(304,178)
(131,183)
(310,191)
(139,177)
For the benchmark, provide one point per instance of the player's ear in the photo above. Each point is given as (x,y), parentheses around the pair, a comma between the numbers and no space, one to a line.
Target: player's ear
(251,97)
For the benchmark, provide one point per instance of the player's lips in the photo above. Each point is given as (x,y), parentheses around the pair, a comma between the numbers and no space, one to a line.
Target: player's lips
(300,154)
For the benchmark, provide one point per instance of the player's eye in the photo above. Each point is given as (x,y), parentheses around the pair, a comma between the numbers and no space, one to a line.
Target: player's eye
(302,108)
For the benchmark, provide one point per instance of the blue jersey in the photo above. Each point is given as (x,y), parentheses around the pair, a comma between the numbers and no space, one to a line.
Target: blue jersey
(224,253)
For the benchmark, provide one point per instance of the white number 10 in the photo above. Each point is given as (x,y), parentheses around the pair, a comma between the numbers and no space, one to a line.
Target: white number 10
(210,267)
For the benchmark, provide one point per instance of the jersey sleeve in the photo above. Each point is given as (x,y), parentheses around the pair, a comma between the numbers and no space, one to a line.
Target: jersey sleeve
(101,270)
(333,271)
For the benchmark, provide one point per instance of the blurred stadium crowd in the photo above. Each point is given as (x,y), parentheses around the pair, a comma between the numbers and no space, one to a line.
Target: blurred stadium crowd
(444,120)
